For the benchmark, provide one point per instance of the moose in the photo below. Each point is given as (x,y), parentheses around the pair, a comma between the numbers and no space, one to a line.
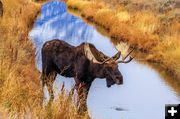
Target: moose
(84,63)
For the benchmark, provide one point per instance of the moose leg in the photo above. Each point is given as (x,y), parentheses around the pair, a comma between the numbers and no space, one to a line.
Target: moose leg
(83,91)
(49,84)
(42,87)
(44,78)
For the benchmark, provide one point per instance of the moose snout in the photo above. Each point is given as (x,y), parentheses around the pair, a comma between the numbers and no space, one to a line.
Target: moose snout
(119,80)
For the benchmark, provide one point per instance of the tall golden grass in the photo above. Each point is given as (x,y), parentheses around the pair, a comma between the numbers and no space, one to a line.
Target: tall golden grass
(20,89)
(142,24)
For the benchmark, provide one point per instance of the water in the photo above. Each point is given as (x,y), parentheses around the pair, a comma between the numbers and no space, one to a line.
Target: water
(143,94)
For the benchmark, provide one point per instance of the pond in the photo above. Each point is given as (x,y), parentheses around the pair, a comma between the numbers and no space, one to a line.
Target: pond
(144,92)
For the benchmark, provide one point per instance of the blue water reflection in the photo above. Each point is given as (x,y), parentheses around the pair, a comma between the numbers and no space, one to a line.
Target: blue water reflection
(143,94)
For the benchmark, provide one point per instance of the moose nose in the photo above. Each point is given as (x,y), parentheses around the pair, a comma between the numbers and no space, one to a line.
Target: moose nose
(119,80)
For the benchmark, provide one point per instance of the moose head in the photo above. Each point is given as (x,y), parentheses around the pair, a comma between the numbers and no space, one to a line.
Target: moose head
(109,65)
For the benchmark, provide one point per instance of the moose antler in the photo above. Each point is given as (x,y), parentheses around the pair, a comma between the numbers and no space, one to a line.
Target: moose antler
(130,59)
(106,60)
(92,58)
(116,56)
(89,54)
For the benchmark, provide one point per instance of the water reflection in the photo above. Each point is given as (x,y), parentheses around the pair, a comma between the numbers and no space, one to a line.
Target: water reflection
(143,94)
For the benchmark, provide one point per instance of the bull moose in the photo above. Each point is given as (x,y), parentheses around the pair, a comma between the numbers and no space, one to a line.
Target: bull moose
(84,63)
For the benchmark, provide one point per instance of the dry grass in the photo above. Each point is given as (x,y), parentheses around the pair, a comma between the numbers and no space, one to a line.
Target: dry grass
(20,89)
(105,17)
(19,78)
(64,107)
(146,22)
(167,53)
(147,25)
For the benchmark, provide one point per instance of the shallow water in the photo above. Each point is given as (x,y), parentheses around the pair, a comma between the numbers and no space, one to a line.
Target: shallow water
(143,94)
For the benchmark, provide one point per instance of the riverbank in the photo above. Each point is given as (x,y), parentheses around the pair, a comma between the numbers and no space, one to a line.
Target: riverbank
(154,32)
(19,84)
(20,89)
